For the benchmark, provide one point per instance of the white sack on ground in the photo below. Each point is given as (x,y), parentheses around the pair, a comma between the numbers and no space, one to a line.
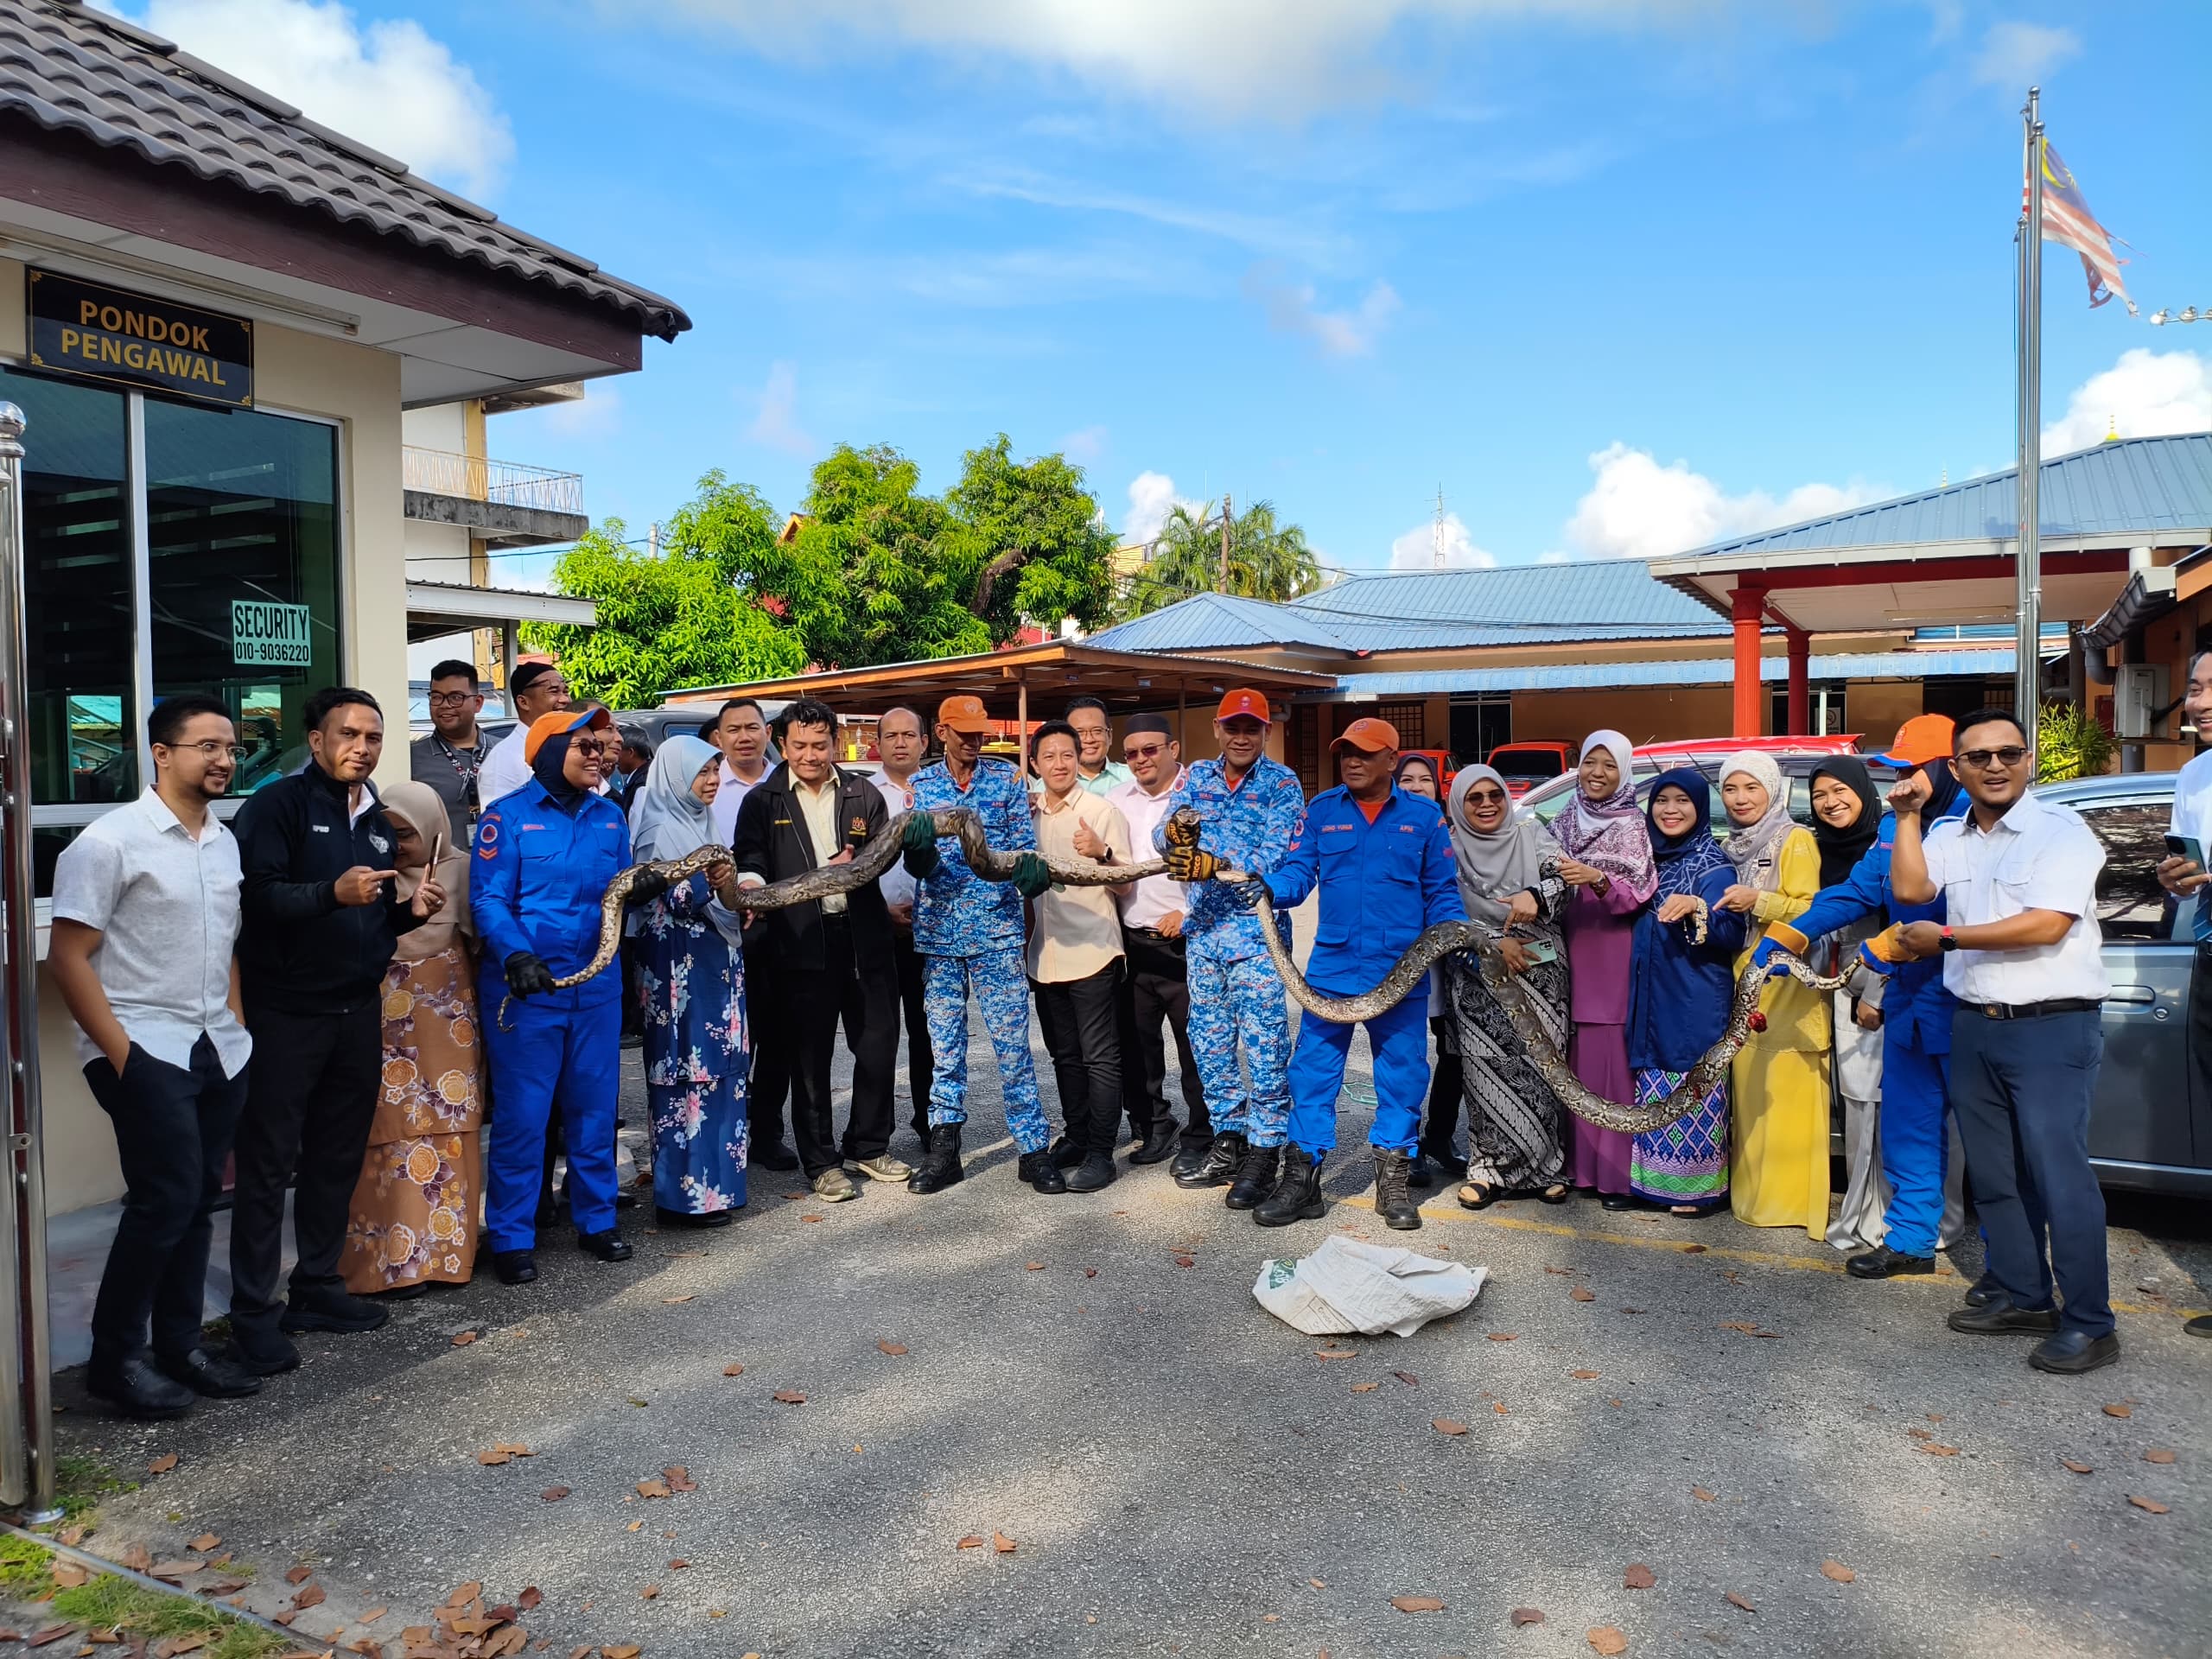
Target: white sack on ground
(1348,1285)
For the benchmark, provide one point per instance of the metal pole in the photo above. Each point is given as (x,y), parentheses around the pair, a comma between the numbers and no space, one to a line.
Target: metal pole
(2028,667)
(27,1460)
(1227,508)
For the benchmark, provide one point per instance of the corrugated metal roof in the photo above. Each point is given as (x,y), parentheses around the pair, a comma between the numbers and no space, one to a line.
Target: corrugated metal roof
(1707,670)
(72,69)
(1219,622)
(1429,610)
(2130,486)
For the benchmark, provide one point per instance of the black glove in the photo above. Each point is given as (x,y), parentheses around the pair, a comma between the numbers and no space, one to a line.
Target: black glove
(645,886)
(527,974)
(923,864)
(1031,875)
(1190,863)
(919,835)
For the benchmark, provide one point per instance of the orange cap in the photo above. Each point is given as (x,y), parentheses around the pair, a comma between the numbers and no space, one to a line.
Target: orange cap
(1251,703)
(565,720)
(1369,733)
(1922,739)
(964,714)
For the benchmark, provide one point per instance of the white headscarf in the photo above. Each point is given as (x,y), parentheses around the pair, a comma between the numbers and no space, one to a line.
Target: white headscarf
(1610,834)
(668,822)
(1755,848)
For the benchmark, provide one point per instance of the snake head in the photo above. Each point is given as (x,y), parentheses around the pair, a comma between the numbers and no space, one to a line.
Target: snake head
(1758,1020)
(1182,829)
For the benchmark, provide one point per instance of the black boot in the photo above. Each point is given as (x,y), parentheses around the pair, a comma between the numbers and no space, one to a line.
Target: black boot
(1297,1197)
(1256,1174)
(1217,1166)
(1394,1202)
(940,1166)
(1038,1170)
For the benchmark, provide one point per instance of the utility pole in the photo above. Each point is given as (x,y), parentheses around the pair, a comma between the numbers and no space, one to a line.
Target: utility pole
(1436,533)
(652,540)
(1227,509)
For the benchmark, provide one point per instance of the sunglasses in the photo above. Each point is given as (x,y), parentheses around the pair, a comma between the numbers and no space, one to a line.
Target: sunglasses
(2011,755)
(1142,751)
(1486,796)
(592,747)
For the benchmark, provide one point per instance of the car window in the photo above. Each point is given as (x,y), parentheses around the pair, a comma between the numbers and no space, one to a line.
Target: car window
(2131,905)
(1534,765)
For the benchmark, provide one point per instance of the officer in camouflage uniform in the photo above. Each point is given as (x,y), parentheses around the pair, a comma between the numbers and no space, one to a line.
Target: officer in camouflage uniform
(968,934)
(1248,807)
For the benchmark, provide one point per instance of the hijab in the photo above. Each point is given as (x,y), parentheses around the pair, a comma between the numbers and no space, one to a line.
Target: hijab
(548,765)
(1756,848)
(1494,867)
(1428,763)
(1610,834)
(1945,786)
(1841,849)
(425,814)
(1684,861)
(668,822)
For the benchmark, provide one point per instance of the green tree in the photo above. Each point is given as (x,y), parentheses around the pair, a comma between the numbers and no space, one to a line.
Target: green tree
(1043,552)
(1267,559)
(663,623)
(2070,742)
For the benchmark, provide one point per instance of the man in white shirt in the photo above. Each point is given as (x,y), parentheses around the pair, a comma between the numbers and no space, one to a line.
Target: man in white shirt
(534,689)
(900,744)
(145,917)
(2018,878)
(740,730)
(1156,986)
(2183,875)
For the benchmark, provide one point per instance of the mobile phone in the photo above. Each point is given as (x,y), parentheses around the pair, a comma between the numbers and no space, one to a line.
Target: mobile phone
(2188,846)
(1537,950)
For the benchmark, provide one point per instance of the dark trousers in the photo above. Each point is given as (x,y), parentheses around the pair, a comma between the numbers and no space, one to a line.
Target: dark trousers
(313,1094)
(1155,988)
(766,1015)
(863,994)
(921,1063)
(2022,1089)
(1082,1034)
(1444,1085)
(173,1132)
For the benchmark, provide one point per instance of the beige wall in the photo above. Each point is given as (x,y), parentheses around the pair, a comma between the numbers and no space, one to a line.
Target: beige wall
(1645,713)
(1877,708)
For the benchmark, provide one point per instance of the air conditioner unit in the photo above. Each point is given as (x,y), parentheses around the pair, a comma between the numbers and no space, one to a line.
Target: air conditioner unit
(2139,692)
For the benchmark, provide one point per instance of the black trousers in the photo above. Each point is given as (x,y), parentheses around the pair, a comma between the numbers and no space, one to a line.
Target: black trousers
(864,995)
(766,1019)
(1155,988)
(173,1131)
(921,1063)
(1082,1034)
(1443,1086)
(313,1094)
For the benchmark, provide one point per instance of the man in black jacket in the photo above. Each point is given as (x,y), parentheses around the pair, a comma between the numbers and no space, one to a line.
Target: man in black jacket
(321,916)
(833,957)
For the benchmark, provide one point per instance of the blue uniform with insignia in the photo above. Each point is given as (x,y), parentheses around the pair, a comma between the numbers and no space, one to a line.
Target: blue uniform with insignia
(1237,997)
(1382,885)
(970,933)
(536,884)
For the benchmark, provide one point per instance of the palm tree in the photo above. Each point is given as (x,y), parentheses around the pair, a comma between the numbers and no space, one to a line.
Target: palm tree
(1267,560)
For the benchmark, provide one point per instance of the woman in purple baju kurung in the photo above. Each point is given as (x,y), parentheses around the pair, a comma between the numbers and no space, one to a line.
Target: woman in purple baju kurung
(1609,868)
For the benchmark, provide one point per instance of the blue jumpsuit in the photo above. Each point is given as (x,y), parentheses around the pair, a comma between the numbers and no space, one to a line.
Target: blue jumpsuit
(1236,994)
(969,933)
(535,884)
(1382,884)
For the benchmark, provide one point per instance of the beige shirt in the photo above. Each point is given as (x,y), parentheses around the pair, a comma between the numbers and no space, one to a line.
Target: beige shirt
(819,808)
(1078,929)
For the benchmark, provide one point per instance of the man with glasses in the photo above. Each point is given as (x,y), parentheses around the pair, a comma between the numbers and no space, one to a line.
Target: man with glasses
(1097,771)
(2183,875)
(535,690)
(740,731)
(2023,954)
(145,915)
(900,742)
(450,757)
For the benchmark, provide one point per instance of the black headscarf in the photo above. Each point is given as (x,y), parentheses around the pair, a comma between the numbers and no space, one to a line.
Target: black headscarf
(1841,849)
(1944,788)
(1428,764)
(547,768)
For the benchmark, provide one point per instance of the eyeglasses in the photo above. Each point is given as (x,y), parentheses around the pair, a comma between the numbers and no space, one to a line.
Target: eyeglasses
(211,750)
(1486,796)
(2008,757)
(1142,751)
(451,699)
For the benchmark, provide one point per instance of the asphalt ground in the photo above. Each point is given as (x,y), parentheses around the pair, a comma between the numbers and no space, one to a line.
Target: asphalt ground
(1089,1378)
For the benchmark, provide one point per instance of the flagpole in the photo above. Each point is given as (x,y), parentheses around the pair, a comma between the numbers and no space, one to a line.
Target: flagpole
(2028,663)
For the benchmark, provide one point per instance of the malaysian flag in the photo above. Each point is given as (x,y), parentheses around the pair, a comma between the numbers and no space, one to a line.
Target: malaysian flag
(2067,220)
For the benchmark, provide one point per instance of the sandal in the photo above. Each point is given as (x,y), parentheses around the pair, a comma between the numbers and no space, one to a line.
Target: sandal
(1483,1196)
(1555,1193)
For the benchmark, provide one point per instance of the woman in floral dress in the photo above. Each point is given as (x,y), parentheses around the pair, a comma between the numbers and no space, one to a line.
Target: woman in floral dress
(413,1221)
(691,978)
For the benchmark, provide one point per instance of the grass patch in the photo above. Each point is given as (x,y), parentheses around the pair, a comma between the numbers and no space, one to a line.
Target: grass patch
(26,1568)
(114,1603)
(80,1482)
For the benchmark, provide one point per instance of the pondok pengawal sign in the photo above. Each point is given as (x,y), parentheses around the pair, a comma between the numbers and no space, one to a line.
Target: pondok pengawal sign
(108,334)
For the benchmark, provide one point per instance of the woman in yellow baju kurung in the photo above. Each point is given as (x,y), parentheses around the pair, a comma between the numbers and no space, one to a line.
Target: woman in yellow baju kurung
(1778,1171)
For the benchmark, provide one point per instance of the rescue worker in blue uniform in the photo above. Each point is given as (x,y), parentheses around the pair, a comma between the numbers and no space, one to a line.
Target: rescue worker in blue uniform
(545,856)
(969,933)
(1248,807)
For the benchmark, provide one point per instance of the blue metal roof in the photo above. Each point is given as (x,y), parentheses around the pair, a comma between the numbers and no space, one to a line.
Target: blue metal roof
(1429,610)
(1708,671)
(1219,622)
(2129,487)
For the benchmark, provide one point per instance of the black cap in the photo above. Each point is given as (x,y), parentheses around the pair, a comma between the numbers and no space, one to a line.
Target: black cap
(527,675)
(1147,723)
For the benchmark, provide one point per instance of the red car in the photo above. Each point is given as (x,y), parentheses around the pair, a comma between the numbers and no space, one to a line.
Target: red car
(1524,766)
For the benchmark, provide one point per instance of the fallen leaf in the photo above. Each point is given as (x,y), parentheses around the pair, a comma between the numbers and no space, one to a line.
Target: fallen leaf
(1563,1273)
(649,1593)
(1317,1584)
(1186,1262)
(166,1461)
(1638,1577)
(1336,1353)
(809,1218)
(1581,1295)
(895,1349)
(1001,1543)
(1920,1434)
(1408,1378)
(732,1370)
(490,1460)
(1702,1495)
(1448,1426)
(1735,1600)
(1738,1324)
(174,1572)
(311,1595)
(1034,1267)
(2110,1411)
(1365,1387)
(1091,1272)
(1582,1376)
(1632,1310)
(1501,1335)
(553,1494)
(51,1633)
(1606,1639)
(1938,1449)
(2150,1506)
(678,1478)
(674,1302)
(1935,1417)
(208,1541)
(1527,1616)
(620,1651)
(69,1574)
(295,1575)
(376,1613)
(461,1339)
(1693,1250)
(466,1594)
(2078,1468)
(1418,1603)
(1499,1408)
(971,1542)
(788,1397)
(678,1565)
(652,1489)
(2157,1455)
(639,1403)
(1838,1571)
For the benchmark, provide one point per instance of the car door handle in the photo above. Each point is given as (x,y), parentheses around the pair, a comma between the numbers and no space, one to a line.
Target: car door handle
(2138,995)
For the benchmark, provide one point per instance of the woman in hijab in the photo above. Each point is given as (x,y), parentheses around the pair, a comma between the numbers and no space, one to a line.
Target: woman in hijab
(1847,816)
(1416,775)
(1609,868)
(1438,1156)
(691,978)
(1683,981)
(1515,1124)
(1778,1176)
(412,1222)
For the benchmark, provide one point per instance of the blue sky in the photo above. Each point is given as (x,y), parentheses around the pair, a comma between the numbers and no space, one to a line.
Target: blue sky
(1618,277)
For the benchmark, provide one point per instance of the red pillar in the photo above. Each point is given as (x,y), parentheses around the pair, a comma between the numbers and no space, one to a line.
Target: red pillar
(1800,692)
(1747,610)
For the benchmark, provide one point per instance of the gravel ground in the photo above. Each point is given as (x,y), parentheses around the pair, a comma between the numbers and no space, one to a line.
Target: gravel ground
(1088,1377)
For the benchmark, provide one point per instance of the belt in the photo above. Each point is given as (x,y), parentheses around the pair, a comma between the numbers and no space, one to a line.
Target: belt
(2036,1010)
(1154,935)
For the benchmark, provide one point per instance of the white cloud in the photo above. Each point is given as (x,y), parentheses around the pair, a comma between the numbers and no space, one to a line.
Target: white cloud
(388,84)
(1151,497)
(1085,446)
(2016,56)
(1294,309)
(1416,548)
(2146,394)
(776,423)
(1639,509)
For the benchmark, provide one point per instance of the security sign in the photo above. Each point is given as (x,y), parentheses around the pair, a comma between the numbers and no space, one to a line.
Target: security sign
(110,334)
(268,635)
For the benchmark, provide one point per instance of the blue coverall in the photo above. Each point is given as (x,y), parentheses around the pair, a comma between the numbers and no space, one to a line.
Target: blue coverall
(1382,885)
(535,884)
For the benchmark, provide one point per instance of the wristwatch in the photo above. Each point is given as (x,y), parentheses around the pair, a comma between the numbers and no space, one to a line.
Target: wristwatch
(1951,940)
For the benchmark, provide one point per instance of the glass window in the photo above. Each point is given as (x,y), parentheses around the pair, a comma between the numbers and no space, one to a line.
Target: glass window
(2131,905)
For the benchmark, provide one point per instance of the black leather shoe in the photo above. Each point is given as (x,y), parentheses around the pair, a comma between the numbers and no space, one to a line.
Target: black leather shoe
(1883,1262)
(609,1246)
(940,1166)
(1256,1174)
(1097,1170)
(773,1155)
(1984,1293)
(1159,1141)
(1616,1201)
(261,1351)
(1040,1172)
(2199,1326)
(1183,1171)
(329,1308)
(1218,1164)
(2001,1318)
(1064,1154)
(210,1375)
(2071,1352)
(515,1266)
(137,1388)
(673,1218)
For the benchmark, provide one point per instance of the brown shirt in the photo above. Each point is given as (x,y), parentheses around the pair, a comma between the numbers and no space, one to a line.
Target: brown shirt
(1078,929)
